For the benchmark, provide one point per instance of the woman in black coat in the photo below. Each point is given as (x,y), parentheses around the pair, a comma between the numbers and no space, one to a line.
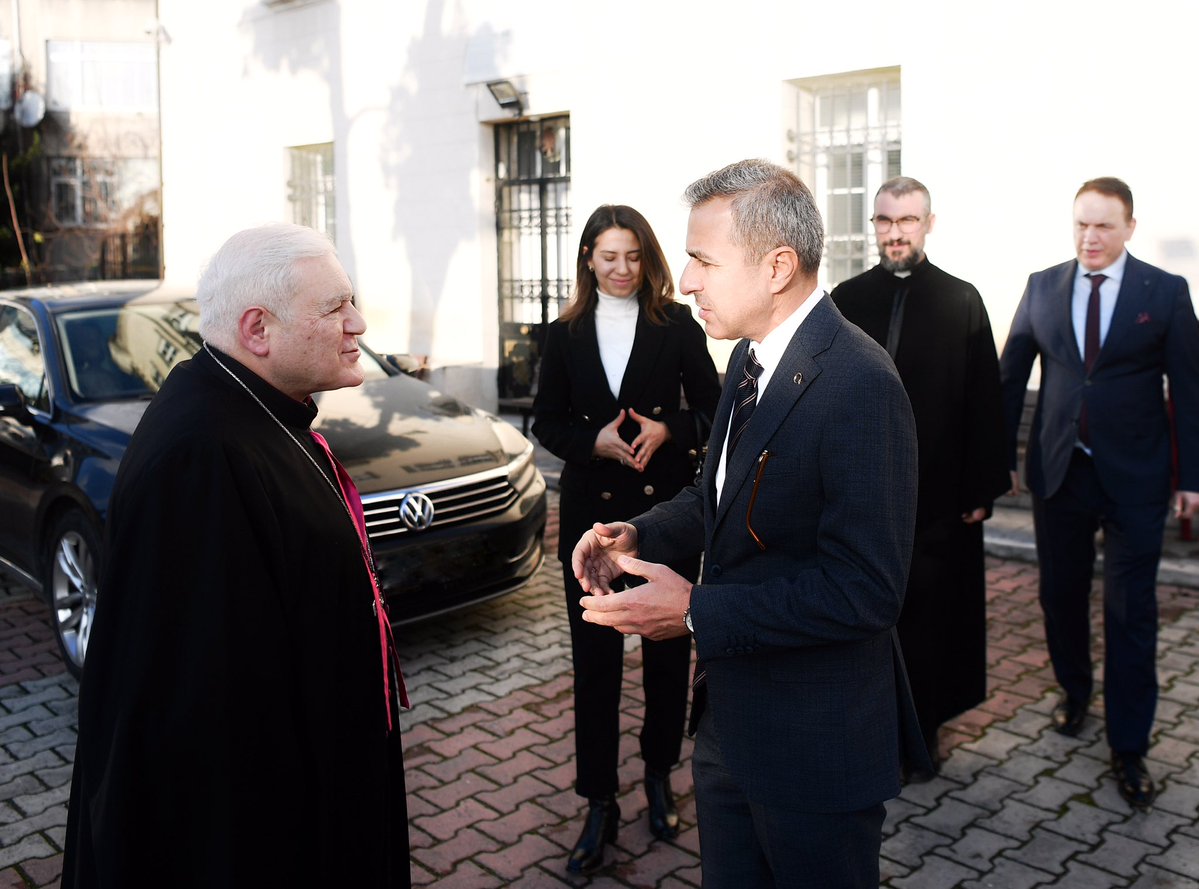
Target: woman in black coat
(614,368)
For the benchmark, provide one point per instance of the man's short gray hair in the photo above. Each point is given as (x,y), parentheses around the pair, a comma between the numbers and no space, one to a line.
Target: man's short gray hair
(255,267)
(901,185)
(771,207)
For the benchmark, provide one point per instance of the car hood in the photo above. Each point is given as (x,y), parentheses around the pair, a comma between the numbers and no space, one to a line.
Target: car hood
(389,433)
(400,433)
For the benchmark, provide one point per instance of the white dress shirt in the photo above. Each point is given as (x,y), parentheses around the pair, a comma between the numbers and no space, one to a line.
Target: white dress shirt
(769,353)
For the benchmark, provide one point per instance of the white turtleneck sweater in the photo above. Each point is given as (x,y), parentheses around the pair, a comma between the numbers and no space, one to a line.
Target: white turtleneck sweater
(615,327)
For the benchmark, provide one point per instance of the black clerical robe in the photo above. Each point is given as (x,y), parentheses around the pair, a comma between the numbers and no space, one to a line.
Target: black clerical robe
(945,353)
(232,719)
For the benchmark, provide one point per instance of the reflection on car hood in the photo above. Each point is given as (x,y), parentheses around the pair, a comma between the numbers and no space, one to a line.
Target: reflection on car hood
(400,433)
(123,416)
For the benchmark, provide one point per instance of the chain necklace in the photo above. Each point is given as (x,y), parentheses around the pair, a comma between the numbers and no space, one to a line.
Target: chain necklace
(367,555)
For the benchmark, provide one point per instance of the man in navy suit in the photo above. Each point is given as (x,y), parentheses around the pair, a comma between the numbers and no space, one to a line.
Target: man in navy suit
(805,515)
(1106,327)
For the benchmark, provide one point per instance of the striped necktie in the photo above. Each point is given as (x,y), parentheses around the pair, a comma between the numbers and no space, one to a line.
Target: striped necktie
(745,401)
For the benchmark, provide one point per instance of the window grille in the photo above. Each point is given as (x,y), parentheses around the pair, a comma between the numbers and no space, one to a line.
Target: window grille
(848,144)
(310,188)
(536,259)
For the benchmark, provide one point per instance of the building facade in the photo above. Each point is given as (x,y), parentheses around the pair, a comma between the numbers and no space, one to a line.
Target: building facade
(80,143)
(453,148)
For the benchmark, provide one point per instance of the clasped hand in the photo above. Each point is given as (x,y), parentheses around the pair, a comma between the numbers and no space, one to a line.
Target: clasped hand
(609,444)
(653,609)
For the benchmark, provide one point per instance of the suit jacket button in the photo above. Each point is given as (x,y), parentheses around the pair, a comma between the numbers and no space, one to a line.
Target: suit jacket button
(714,571)
(649,490)
(657,410)
(606,495)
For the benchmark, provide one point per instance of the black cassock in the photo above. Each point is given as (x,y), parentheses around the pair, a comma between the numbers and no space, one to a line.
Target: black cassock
(945,353)
(232,718)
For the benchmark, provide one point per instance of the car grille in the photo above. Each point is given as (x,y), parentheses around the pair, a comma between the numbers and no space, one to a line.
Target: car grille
(456,501)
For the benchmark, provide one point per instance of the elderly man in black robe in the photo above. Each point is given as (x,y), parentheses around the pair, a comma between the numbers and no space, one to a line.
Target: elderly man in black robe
(936,329)
(238,718)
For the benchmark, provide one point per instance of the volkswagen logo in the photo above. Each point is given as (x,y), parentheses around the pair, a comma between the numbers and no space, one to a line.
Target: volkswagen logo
(416,512)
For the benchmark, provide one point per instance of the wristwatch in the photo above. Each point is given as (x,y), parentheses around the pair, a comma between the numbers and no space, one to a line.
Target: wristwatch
(687,622)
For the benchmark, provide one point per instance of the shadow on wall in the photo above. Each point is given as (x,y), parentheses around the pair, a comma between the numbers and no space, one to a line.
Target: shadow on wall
(434,212)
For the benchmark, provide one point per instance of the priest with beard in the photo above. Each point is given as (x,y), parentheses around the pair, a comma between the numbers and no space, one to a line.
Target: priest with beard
(239,710)
(936,329)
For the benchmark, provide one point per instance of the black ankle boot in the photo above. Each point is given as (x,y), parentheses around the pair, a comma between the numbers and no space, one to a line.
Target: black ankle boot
(663,816)
(603,818)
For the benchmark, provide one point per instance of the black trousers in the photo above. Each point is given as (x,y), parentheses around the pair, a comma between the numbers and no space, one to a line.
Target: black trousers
(1065,528)
(745,844)
(598,655)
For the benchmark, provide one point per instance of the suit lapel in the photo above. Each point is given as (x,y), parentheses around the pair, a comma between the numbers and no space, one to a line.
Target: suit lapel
(1068,341)
(1128,303)
(796,372)
(589,362)
(647,345)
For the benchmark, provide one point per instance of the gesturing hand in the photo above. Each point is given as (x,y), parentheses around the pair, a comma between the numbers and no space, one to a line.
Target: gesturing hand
(594,560)
(653,609)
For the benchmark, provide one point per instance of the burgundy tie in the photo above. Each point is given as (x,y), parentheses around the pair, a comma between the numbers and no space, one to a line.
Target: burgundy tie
(349,491)
(1090,350)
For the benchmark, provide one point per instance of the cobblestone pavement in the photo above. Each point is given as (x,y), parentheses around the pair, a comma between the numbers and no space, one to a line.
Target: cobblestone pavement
(490,761)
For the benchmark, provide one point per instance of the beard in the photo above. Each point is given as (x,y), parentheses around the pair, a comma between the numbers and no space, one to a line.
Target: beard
(906,264)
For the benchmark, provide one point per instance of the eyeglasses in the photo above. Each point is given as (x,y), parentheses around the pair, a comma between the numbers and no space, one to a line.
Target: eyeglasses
(907,224)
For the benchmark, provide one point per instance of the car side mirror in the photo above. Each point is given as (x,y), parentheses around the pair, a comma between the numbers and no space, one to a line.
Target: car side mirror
(12,403)
(411,365)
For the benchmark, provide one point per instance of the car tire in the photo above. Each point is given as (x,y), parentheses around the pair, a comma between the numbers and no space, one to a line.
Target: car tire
(71,573)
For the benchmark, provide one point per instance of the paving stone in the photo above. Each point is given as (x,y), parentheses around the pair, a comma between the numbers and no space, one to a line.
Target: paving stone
(950,818)
(443,858)
(1118,855)
(978,848)
(1083,820)
(996,743)
(1083,876)
(1181,799)
(29,846)
(1153,827)
(515,860)
(1051,793)
(1016,820)
(935,873)
(898,811)
(1182,857)
(1008,874)
(1155,878)
(911,843)
(1046,851)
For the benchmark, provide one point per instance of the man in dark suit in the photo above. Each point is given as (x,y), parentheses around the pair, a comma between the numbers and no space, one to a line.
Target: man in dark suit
(1106,327)
(805,516)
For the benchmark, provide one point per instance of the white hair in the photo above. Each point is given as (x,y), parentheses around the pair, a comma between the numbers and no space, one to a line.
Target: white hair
(255,267)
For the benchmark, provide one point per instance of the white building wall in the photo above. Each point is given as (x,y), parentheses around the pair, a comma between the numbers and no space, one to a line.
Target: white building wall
(1006,110)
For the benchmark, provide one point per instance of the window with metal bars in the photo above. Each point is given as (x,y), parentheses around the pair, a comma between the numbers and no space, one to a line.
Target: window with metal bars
(848,144)
(310,187)
(536,259)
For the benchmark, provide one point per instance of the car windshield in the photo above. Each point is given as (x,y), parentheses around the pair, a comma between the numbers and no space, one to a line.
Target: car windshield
(127,351)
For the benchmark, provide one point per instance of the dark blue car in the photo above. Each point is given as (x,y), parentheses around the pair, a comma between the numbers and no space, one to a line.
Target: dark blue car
(454,503)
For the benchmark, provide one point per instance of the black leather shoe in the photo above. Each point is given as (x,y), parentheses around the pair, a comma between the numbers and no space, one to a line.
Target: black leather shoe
(1068,716)
(1132,778)
(603,818)
(663,816)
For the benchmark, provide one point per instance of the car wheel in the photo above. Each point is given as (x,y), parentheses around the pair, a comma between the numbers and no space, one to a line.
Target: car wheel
(72,571)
